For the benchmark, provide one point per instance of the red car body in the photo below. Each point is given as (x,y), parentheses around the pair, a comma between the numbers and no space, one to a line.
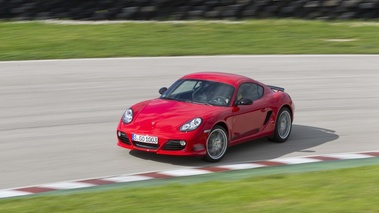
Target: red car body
(157,123)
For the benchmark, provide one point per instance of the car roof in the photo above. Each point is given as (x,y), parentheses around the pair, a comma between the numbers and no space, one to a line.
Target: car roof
(228,78)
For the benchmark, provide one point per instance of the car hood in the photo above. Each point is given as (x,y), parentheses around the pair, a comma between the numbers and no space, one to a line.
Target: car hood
(170,114)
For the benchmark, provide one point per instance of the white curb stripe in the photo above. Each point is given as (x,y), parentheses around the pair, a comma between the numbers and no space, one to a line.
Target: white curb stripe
(185,172)
(345,156)
(241,166)
(128,178)
(12,193)
(295,160)
(67,185)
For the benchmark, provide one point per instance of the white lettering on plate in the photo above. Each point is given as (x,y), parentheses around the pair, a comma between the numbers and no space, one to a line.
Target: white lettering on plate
(145,139)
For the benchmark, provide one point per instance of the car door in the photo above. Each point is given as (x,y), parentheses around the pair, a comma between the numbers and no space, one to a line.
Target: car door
(248,119)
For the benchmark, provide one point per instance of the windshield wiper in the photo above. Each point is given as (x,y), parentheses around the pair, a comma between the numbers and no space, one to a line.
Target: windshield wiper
(187,101)
(168,98)
(174,99)
(204,103)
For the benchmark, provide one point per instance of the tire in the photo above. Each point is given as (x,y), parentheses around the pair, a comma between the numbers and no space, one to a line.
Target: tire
(283,126)
(216,145)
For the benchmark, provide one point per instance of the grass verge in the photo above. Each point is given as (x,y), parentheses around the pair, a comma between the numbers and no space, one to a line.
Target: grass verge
(41,40)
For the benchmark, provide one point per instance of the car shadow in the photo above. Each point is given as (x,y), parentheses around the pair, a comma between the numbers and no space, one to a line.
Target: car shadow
(302,139)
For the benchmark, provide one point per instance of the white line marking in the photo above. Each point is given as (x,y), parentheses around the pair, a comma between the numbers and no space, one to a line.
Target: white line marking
(128,178)
(348,156)
(185,172)
(12,193)
(188,57)
(67,185)
(295,160)
(242,166)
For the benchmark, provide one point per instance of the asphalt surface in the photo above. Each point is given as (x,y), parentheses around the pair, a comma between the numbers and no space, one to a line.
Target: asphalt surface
(58,117)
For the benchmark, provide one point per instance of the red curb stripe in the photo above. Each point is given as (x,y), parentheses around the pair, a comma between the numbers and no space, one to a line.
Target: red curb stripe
(156,175)
(215,169)
(323,158)
(35,189)
(375,154)
(160,175)
(270,163)
(97,182)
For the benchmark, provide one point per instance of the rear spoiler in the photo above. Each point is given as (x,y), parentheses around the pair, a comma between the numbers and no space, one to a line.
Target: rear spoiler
(276,89)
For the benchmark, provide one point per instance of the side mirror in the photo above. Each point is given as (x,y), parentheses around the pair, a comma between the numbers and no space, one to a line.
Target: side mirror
(245,101)
(162,90)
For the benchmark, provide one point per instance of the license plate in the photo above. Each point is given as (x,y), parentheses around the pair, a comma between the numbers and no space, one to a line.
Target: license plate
(145,139)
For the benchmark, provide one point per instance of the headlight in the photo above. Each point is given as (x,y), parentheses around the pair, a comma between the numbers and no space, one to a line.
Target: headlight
(127,117)
(191,125)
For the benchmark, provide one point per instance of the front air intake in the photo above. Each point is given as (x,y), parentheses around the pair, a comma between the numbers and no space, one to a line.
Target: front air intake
(174,145)
(123,137)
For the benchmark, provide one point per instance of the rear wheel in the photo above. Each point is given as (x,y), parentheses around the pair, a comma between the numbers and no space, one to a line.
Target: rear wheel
(217,144)
(283,126)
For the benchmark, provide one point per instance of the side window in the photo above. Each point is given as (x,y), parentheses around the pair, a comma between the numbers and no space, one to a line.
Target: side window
(260,91)
(250,90)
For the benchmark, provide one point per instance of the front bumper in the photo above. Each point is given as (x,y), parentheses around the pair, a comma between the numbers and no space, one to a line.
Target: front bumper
(168,143)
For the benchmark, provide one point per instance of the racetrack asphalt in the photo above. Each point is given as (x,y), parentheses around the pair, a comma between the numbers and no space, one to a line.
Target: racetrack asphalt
(58,117)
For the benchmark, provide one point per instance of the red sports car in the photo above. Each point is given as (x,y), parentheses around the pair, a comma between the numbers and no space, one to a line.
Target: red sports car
(204,113)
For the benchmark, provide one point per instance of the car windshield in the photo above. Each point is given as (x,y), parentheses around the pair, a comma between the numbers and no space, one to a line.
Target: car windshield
(200,91)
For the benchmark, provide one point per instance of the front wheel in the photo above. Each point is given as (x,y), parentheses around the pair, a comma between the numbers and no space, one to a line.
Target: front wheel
(283,126)
(217,144)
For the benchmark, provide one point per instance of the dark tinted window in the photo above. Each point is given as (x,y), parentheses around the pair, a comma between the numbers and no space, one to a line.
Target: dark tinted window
(250,90)
(200,91)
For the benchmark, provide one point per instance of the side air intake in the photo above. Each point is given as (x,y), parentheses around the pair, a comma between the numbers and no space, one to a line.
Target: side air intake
(268,116)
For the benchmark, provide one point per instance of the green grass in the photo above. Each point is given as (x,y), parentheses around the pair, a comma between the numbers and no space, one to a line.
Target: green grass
(342,190)
(38,40)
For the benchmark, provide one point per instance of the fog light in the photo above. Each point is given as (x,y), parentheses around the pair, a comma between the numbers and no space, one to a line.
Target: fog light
(198,147)
(182,143)
(119,133)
